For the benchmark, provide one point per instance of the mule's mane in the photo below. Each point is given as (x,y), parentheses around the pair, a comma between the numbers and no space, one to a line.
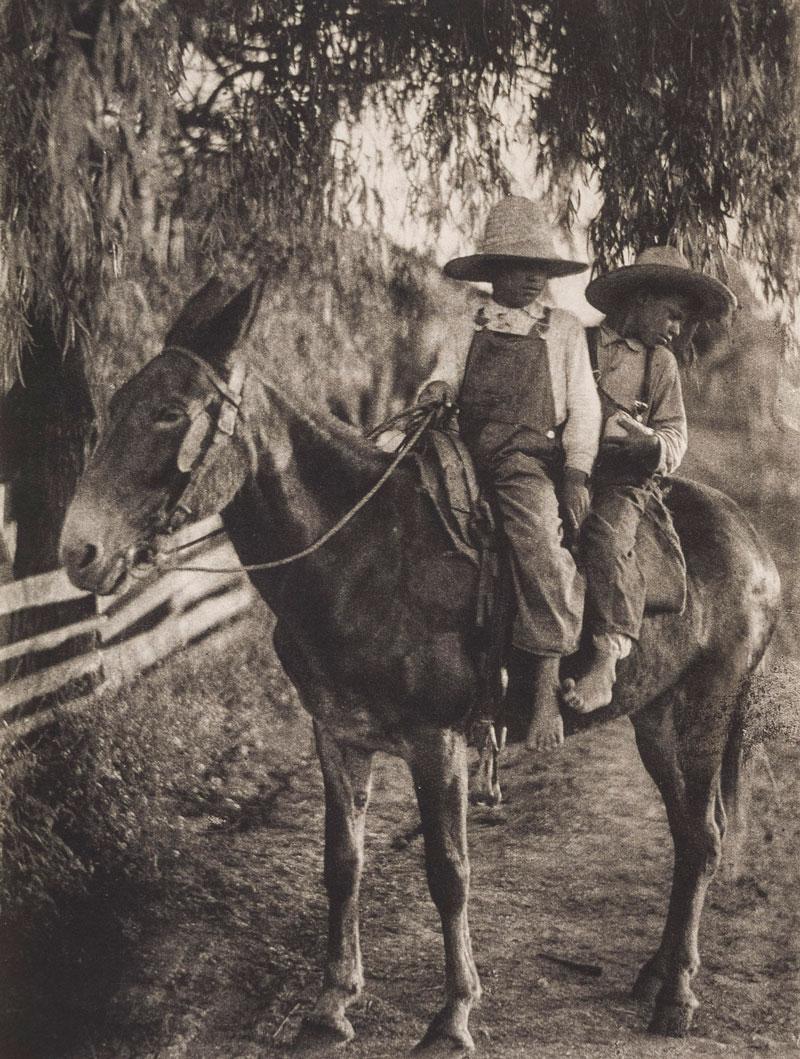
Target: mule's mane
(345,443)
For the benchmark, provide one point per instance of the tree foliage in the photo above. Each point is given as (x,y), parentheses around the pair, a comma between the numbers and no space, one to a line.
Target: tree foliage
(87,112)
(683,116)
(123,116)
(686,115)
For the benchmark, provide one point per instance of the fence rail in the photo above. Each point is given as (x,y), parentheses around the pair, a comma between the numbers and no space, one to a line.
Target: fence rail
(150,620)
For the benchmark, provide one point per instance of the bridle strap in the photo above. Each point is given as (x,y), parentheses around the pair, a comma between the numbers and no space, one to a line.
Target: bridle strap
(231,389)
(231,392)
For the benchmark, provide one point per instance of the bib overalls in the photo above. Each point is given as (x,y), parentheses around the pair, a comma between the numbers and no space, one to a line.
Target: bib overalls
(507,420)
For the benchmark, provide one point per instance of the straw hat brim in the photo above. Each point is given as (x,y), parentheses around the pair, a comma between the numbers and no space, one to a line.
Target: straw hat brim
(711,296)
(480,268)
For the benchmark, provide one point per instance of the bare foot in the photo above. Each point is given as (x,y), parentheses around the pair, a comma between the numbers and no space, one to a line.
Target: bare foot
(545,733)
(546,729)
(594,690)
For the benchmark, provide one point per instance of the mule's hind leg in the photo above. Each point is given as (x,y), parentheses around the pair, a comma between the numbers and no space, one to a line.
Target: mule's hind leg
(686,770)
(438,763)
(347,775)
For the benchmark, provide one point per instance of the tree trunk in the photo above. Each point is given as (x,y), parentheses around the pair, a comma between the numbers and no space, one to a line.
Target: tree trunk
(51,420)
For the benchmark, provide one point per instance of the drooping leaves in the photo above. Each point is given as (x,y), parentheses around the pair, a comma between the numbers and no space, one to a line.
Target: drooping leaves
(131,126)
(686,116)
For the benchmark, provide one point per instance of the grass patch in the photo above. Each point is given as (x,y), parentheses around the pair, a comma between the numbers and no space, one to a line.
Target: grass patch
(96,830)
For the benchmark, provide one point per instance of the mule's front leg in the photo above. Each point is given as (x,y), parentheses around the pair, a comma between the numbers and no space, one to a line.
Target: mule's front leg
(347,775)
(438,762)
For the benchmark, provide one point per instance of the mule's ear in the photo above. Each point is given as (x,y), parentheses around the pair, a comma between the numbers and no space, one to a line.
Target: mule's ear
(215,320)
(203,305)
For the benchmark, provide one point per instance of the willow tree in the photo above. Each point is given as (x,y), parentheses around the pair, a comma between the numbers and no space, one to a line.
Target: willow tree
(686,116)
(81,128)
(118,116)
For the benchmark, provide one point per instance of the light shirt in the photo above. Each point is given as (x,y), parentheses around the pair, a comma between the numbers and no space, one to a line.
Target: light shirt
(575,398)
(621,364)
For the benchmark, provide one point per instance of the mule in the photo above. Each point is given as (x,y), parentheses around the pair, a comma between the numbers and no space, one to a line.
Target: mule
(375,630)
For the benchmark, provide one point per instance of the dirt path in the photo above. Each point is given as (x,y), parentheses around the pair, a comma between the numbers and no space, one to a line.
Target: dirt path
(576,866)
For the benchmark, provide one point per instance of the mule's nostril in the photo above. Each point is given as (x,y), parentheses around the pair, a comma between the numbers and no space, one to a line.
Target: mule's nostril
(140,554)
(88,557)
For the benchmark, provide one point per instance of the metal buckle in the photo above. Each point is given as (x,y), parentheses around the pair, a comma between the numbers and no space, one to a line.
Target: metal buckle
(227,418)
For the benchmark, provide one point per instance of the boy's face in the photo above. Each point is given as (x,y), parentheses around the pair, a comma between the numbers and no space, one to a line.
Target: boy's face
(517,285)
(657,319)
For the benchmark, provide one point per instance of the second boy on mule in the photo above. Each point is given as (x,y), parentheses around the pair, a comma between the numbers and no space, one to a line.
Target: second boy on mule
(647,305)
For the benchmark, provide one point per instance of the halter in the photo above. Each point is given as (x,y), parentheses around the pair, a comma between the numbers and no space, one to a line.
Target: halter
(203,434)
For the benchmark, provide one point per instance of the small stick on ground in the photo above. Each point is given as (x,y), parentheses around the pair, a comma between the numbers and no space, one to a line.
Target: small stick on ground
(284,1021)
(768,767)
(590,969)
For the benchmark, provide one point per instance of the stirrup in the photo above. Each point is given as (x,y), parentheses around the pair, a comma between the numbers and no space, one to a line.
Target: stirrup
(487,783)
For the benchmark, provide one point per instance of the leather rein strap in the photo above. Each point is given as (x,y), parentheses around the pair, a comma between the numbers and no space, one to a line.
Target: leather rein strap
(199,440)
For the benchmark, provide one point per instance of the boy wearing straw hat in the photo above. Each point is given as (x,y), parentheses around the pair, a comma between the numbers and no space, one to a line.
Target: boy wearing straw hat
(530,416)
(647,305)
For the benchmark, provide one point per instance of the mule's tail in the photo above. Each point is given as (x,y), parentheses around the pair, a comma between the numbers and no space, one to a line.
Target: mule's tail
(758,716)
(734,789)
(768,709)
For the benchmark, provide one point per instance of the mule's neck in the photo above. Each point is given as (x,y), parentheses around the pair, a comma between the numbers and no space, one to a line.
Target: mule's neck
(307,470)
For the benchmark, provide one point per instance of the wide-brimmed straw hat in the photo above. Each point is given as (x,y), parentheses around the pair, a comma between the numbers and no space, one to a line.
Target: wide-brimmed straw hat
(661,269)
(517,232)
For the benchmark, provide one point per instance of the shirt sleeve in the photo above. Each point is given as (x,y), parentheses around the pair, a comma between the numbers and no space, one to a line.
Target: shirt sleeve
(581,435)
(667,413)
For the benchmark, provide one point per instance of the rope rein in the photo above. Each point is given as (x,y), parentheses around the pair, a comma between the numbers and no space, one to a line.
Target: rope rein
(403,450)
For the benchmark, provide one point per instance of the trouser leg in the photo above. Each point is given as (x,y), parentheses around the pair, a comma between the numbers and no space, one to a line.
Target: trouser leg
(615,591)
(615,585)
(547,584)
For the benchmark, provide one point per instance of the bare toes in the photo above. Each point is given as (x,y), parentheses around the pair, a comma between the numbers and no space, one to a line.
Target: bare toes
(570,695)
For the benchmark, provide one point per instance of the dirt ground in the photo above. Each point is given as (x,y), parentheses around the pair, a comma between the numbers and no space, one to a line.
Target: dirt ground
(575,866)
(227,956)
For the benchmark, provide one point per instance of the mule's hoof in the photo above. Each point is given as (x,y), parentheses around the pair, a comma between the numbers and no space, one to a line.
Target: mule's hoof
(444,1046)
(318,1038)
(672,1020)
(445,1041)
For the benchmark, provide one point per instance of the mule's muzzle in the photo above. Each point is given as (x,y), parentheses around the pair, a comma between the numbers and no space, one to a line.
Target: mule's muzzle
(88,567)
(95,552)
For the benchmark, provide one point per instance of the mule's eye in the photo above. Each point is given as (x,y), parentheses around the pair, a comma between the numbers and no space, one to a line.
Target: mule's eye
(170,415)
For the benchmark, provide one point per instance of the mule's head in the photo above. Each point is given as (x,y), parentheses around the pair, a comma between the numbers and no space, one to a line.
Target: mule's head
(174,442)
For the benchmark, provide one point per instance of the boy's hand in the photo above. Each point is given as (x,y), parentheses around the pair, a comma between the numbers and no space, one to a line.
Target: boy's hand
(640,447)
(575,497)
(637,444)
(436,397)
(436,392)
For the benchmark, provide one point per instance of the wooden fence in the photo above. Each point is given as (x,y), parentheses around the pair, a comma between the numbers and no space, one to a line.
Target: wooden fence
(137,628)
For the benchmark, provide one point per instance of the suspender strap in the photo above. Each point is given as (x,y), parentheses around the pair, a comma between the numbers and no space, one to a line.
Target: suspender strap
(647,395)
(592,336)
(592,339)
